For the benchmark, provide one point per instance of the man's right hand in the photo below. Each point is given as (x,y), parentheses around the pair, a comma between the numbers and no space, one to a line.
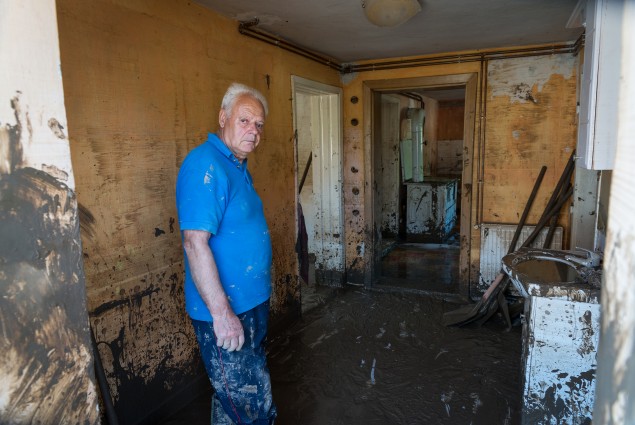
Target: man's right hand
(227,326)
(229,331)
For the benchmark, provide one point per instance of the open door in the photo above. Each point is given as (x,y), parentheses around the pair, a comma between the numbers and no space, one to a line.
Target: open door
(317,120)
(435,257)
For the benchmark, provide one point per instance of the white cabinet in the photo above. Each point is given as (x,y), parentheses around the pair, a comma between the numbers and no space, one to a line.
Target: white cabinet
(597,125)
(430,209)
(560,340)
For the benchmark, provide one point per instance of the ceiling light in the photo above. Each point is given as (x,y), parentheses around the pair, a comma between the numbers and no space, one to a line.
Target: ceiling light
(390,13)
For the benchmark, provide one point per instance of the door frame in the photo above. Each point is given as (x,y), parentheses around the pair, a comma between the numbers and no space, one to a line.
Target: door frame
(328,169)
(470,82)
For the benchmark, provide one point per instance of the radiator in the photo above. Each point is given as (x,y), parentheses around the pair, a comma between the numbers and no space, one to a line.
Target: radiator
(495,241)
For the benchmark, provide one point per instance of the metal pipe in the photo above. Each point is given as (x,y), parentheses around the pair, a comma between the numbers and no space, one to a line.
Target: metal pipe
(111,415)
(471,57)
(413,96)
(248,29)
(480,142)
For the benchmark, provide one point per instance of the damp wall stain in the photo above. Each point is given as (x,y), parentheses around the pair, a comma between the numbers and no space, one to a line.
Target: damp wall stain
(146,342)
(47,362)
(504,75)
(129,130)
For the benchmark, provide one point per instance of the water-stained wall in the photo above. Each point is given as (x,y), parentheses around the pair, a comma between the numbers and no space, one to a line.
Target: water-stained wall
(143,83)
(529,120)
(46,366)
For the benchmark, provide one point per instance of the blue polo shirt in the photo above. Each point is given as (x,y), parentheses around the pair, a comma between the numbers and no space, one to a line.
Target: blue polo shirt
(215,193)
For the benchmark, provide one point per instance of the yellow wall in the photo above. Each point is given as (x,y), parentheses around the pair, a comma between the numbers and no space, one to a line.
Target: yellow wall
(143,82)
(529,121)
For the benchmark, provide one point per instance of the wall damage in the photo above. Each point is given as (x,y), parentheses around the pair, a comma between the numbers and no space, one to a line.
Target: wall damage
(46,366)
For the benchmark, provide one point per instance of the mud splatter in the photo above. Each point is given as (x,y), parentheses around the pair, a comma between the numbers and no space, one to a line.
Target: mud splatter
(586,347)
(522,92)
(47,360)
(57,128)
(476,380)
(86,221)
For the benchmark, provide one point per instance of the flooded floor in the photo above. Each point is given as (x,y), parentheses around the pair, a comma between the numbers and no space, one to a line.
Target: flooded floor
(367,357)
(384,357)
(426,267)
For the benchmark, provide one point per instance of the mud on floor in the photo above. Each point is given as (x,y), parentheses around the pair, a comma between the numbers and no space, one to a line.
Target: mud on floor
(385,358)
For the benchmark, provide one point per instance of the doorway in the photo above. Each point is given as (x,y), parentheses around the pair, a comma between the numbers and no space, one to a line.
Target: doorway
(421,240)
(317,113)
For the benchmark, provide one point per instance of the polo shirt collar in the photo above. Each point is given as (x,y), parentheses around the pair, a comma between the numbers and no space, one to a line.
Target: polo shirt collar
(218,144)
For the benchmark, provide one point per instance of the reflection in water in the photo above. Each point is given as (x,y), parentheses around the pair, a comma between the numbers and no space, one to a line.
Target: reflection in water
(546,271)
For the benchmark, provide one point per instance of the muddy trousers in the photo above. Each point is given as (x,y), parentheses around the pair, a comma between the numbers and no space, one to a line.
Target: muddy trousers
(240,379)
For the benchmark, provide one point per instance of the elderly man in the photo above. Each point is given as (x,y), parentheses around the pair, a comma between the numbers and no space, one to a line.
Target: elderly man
(228,260)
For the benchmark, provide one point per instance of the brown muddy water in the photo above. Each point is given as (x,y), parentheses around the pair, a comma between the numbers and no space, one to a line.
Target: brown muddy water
(366,357)
(385,358)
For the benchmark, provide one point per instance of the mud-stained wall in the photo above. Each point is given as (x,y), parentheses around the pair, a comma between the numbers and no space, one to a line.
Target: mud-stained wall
(450,138)
(430,140)
(143,83)
(46,366)
(529,120)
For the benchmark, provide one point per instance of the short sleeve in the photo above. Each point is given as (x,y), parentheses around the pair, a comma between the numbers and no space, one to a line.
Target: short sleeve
(201,193)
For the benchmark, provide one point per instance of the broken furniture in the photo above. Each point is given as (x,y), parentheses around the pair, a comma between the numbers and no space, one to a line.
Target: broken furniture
(561,327)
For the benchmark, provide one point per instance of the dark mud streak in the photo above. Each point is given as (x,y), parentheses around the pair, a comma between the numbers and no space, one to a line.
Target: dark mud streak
(14,133)
(586,347)
(545,410)
(553,408)
(134,300)
(86,221)
(136,395)
(45,345)
(523,91)
(142,380)
(57,128)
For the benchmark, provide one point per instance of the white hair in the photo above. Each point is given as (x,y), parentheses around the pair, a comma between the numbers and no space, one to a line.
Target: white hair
(237,90)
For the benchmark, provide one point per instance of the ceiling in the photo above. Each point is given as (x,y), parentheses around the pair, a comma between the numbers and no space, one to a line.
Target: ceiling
(340,30)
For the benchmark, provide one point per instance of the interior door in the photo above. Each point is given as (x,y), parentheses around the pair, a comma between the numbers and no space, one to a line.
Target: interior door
(317,119)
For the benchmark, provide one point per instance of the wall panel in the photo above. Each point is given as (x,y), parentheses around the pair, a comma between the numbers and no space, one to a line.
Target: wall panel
(143,83)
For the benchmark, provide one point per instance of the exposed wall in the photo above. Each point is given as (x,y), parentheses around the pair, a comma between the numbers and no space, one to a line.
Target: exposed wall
(450,138)
(46,365)
(143,83)
(430,130)
(530,121)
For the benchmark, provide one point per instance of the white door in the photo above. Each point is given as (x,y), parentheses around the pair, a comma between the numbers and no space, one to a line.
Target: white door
(317,120)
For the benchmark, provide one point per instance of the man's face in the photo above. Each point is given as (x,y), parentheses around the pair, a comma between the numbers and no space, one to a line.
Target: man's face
(241,129)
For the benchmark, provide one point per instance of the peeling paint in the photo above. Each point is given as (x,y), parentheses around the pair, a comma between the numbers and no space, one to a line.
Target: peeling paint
(518,77)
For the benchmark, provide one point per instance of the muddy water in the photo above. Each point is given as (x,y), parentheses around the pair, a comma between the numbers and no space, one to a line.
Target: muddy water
(384,358)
